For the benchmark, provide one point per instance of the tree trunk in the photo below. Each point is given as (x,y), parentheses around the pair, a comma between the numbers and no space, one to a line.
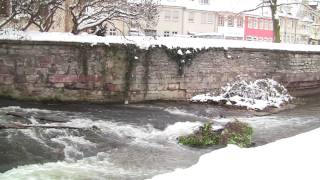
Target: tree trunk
(276,31)
(275,22)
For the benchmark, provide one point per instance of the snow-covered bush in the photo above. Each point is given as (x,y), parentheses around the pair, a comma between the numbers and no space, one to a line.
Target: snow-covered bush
(258,94)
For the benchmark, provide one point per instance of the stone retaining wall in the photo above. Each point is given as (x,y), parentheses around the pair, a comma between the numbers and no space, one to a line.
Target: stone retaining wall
(114,73)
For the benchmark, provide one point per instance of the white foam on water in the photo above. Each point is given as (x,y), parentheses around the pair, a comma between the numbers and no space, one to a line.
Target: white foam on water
(176,111)
(33,135)
(97,167)
(28,110)
(139,132)
(72,146)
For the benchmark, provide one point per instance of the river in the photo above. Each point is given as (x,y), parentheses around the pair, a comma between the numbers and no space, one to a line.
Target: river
(134,141)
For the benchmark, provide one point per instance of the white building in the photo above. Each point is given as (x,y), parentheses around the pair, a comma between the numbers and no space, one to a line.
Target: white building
(183,17)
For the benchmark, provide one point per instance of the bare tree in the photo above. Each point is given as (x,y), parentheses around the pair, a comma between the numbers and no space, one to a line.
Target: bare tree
(36,12)
(10,13)
(41,13)
(96,13)
(274,6)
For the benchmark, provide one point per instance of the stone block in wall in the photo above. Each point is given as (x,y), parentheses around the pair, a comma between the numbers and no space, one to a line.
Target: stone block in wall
(173,86)
(166,95)
(6,79)
(109,87)
(58,85)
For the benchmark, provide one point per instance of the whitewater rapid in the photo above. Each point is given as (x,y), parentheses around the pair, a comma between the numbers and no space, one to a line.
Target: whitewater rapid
(131,142)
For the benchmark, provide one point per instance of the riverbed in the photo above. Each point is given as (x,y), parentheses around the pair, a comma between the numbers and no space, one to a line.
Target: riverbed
(135,141)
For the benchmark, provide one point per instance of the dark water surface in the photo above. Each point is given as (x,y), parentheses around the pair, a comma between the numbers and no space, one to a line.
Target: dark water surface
(132,141)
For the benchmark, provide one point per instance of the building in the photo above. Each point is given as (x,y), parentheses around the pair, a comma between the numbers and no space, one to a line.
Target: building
(299,23)
(258,28)
(185,17)
(231,25)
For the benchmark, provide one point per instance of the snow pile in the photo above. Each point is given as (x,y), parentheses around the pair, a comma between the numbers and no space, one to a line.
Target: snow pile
(258,94)
(293,158)
(145,42)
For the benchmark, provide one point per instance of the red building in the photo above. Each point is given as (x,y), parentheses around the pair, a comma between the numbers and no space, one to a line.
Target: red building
(258,28)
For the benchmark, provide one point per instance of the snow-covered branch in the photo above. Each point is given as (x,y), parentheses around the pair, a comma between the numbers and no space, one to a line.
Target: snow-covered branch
(95,13)
(35,12)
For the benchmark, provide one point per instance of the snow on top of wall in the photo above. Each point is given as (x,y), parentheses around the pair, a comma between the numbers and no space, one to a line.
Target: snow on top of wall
(145,42)
(293,158)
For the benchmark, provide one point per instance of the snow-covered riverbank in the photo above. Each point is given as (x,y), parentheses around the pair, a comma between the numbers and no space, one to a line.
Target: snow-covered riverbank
(294,158)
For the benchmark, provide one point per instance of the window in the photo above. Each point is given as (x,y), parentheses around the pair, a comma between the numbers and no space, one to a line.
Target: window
(230,21)
(255,23)
(270,25)
(250,23)
(210,18)
(175,16)
(203,18)
(239,22)
(166,33)
(261,24)
(112,32)
(167,15)
(174,33)
(4,8)
(204,2)
(191,17)
(266,24)
(220,21)
(292,26)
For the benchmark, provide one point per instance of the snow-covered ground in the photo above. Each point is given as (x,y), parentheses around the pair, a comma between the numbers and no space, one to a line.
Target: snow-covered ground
(294,158)
(258,94)
(146,42)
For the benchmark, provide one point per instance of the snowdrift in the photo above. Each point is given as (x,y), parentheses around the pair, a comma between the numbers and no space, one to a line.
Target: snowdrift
(294,158)
(256,95)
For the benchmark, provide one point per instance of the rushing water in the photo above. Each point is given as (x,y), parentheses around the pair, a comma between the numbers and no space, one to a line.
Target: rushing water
(131,142)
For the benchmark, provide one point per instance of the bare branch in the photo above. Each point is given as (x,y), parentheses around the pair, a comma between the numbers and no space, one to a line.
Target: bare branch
(94,13)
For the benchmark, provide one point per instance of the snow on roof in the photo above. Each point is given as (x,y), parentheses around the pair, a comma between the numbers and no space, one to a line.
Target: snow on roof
(145,42)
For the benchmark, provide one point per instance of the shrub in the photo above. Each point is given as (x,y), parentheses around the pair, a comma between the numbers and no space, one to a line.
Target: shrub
(237,133)
(205,136)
